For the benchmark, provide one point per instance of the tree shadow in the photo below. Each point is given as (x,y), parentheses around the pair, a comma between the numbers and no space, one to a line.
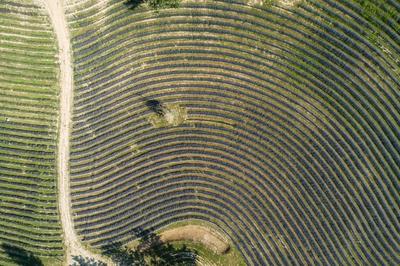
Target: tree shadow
(155,106)
(122,256)
(21,256)
(82,261)
(150,251)
(132,4)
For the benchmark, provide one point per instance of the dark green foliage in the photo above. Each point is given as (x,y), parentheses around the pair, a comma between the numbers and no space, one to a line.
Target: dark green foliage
(156,107)
(150,251)
(155,4)
(158,4)
(123,256)
(21,256)
(154,252)
(132,4)
(82,261)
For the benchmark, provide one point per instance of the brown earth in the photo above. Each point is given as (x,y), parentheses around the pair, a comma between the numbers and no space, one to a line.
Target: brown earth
(198,234)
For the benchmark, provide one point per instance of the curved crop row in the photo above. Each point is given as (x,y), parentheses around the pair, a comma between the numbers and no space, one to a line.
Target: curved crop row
(285,132)
(29,223)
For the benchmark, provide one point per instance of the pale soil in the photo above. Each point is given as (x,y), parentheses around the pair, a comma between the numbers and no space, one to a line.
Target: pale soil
(255,2)
(289,3)
(174,115)
(73,246)
(198,234)
(286,3)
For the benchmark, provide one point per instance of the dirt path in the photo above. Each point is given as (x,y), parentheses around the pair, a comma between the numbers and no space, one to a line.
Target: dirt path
(73,246)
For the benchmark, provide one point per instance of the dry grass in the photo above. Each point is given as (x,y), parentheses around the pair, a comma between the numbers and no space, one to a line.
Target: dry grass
(288,3)
(198,234)
(174,116)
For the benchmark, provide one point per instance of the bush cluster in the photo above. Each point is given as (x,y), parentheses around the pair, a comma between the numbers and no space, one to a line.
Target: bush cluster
(159,4)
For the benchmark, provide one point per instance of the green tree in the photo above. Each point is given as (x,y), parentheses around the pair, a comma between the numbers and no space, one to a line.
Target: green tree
(158,4)
(154,4)
(151,251)
(20,256)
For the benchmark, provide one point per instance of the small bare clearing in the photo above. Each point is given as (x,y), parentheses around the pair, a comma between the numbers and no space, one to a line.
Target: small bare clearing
(198,234)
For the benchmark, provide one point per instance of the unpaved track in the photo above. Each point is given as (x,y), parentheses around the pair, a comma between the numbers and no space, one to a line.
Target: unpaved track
(55,8)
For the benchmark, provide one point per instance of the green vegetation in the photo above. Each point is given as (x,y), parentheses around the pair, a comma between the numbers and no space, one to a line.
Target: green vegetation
(172,115)
(382,16)
(289,139)
(232,258)
(154,4)
(203,254)
(148,251)
(268,3)
(159,4)
(275,122)
(374,10)
(30,232)
(20,256)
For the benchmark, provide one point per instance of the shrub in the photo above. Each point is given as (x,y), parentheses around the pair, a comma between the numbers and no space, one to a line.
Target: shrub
(159,4)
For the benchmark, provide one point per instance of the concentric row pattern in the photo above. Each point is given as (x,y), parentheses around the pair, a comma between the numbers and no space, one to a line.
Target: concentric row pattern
(291,142)
(28,132)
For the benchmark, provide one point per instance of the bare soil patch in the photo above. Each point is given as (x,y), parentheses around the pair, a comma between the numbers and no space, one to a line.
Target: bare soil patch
(197,234)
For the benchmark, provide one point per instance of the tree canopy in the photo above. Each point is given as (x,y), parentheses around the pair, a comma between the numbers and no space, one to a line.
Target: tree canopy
(154,4)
